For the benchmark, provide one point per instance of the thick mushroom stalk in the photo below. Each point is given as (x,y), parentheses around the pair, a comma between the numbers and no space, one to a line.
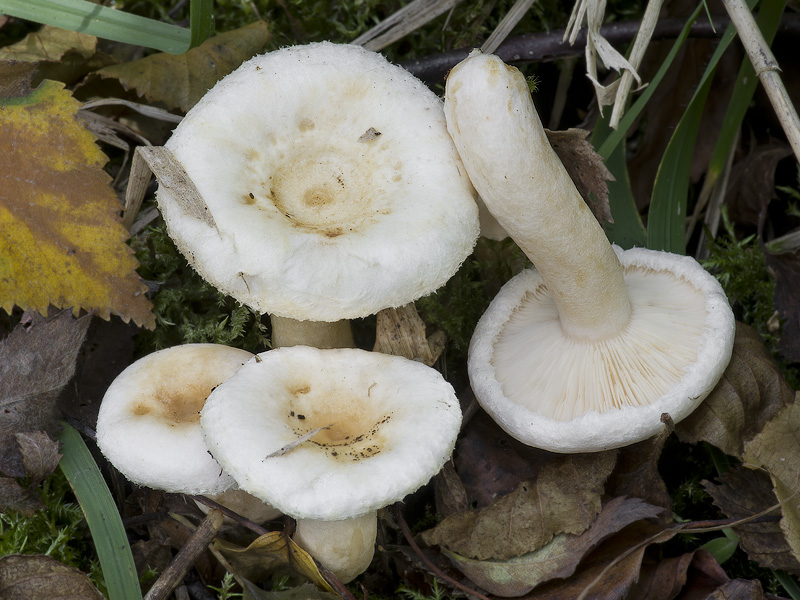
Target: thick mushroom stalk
(531,195)
(587,350)
(331,436)
(345,547)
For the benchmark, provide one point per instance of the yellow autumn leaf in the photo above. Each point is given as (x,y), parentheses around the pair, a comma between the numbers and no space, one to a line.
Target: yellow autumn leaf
(61,240)
(274,547)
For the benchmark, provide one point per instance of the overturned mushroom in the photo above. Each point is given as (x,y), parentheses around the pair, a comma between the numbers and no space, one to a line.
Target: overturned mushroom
(589,349)
(332,189)
(148,425)
(331,436)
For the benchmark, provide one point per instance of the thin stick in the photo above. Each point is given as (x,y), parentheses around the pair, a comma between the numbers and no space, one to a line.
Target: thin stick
(767,69)
(186,557)
(232,515)
(436,570)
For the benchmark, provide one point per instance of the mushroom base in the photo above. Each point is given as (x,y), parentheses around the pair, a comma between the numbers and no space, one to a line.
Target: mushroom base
(345,547)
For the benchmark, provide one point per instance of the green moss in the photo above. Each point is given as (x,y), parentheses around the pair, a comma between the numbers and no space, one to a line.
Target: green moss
(57,531)
(188,309)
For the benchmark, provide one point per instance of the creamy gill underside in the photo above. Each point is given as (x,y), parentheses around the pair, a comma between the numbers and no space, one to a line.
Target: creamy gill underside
(556,376)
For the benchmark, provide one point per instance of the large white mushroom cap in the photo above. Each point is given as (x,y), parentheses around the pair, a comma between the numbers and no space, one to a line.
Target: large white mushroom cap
(148,426)
(334,188)
(566,394)
(393,424)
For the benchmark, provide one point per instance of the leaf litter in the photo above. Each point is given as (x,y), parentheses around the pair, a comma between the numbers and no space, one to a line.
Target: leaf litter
(587,522)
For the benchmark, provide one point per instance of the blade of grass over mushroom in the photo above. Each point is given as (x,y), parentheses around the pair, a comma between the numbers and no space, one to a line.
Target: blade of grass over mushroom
(102,516)
(768,19)
(627,229)
(666,223)
(606,145)
(104,22)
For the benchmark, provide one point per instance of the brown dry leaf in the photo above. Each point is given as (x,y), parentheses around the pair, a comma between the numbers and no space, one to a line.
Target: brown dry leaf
(636,474)
(556,559)
(401,331)
(786,270)
(751,391)
(752,184)
(37,359)
(739,589)
(36,577)
(62,240)
(15,497)
(449,492)
(491,464)
(270,550)
(564,498)
(777,447)
(608,572)
(39,454)
(59,54)
(179,81)
(742,493)
(586,168)
(693,575)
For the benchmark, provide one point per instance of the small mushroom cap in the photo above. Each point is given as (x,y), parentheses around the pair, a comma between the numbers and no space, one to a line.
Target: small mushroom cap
(574,395)
(390,424)
(333,184)
(148,425)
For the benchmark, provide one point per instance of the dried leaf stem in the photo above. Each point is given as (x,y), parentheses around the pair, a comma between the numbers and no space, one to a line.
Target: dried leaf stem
(398,513)
(767,69)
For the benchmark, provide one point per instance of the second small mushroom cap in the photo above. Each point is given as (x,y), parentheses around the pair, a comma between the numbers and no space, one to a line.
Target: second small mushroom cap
(389,424)
(333,188)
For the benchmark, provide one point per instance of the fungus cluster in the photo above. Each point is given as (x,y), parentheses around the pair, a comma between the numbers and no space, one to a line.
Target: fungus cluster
(587,350)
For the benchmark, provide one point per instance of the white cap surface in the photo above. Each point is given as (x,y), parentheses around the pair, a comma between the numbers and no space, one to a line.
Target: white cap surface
(572,395)
(148,426)
(393,424)
(334,186)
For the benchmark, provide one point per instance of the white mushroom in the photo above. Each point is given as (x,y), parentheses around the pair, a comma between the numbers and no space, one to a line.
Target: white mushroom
(333,188)
(148,425)
(331,436)
(587,351)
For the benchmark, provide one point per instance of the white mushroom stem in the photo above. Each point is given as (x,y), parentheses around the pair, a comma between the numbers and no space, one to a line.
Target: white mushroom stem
(527,189)
(318,334)
(345,547)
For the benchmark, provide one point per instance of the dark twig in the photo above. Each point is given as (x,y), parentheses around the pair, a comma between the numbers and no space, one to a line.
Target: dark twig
(398,513)
(535,47)
(186,557)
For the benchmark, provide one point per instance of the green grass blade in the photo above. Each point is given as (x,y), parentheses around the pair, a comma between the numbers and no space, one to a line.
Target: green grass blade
(627,230)
(117,25)
(102,516)
(666,222)
(789,584)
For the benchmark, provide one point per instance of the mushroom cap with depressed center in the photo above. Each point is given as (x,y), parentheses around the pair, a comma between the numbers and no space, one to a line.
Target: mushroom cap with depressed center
(148,425)
(391,423)
(333,184)
(566,394)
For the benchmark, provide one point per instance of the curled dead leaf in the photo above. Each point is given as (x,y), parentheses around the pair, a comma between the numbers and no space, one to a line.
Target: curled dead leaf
(750,393)
(564,498)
